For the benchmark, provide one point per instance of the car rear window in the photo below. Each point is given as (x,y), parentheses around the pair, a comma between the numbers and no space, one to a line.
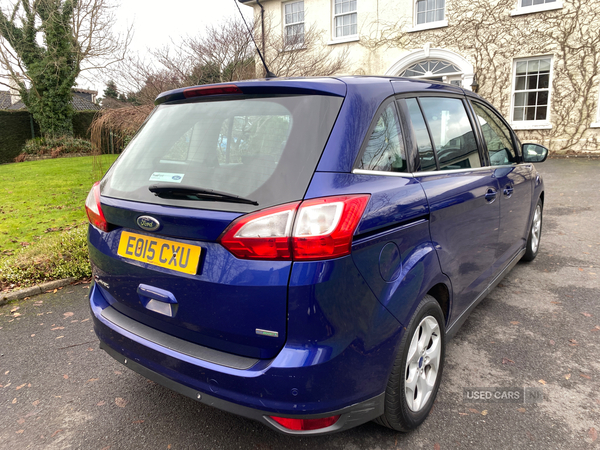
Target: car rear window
(262,149)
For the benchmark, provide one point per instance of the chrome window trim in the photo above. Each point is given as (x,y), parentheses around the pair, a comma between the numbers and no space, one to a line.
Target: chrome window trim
(381,172)
(442,172)
(431,173)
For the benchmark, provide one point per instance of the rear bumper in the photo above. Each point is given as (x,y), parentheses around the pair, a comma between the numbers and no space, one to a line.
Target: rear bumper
(350,416)
(255,389)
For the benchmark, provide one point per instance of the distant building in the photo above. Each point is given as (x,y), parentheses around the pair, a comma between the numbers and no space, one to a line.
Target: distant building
(83,100)
(535,60)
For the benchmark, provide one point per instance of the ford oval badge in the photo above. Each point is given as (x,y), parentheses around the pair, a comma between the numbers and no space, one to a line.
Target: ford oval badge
(148,223)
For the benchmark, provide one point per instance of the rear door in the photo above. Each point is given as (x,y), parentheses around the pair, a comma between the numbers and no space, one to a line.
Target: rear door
(515,180)
(212,161)
(462,195)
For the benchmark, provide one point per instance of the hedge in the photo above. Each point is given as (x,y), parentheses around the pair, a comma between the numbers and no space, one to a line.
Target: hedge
(15,129)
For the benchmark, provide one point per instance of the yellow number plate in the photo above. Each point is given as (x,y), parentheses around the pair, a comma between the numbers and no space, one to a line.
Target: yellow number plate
(160,252)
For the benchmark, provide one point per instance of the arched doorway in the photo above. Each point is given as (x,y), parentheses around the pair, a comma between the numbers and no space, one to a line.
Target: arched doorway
(434,64)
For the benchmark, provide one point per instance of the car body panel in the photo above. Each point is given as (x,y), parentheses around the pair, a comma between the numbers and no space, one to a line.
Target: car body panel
(464,229)
(306,376)
(363,98)
(220,307)
(515,196)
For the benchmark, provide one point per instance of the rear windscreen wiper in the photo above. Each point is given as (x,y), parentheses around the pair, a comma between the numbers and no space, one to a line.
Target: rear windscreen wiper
(194,193)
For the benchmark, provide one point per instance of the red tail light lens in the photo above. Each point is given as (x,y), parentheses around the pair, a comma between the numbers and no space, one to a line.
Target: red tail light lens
(212,90)
(262,235)
(93,209)
(306,424)
(325,226)
(323,229)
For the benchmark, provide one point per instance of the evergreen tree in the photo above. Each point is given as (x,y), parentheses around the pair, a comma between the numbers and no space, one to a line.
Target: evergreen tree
(111,90)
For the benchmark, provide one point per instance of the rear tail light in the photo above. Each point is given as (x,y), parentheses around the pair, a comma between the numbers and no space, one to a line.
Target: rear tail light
(93,209)
(305,424)
(262,235)
(323,229)
(325,226)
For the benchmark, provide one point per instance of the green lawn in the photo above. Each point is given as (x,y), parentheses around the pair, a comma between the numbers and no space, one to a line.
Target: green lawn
(40,198)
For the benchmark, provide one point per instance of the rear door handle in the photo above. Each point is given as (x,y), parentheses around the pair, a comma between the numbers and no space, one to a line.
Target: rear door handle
(508,190)
(490,195)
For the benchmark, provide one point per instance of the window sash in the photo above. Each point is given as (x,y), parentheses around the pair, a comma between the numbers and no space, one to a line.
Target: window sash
(531,89)
(428,11)
(293,16)
(294,13)
(528,3)
(345,18)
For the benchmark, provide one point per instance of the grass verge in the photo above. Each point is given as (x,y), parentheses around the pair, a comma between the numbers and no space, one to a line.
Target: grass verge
(43,197)
(61,255)
(43,220)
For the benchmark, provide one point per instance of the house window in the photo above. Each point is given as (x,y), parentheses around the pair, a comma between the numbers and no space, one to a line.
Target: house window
(534,6)
(294,23)
(431,69)
(435,70)
(526,3)
(430,11)
(531,97)
(345,18)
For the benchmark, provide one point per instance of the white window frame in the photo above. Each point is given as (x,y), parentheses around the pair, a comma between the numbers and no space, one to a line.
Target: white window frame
(596,124)
(285,25)
(531,124)
(348,38)
(427,25)
(520,10)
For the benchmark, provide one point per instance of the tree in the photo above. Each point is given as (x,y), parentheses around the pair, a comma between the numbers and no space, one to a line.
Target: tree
(225,52)
(46,44)
(111,90)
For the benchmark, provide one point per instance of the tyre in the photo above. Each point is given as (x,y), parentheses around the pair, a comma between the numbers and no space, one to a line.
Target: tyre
(535,234)
(417,370)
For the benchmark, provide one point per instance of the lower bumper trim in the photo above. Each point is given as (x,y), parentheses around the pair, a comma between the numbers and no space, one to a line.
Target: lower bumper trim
(351,416)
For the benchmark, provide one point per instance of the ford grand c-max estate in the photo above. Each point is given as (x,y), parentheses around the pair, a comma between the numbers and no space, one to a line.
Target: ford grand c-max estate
(298,251)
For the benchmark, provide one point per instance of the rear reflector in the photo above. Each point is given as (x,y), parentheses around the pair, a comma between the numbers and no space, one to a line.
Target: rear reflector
(93,209)
(212,90)
(305,424)
(323,229)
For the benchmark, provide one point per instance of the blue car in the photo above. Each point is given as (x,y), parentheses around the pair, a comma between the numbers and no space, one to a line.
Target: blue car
(299,251)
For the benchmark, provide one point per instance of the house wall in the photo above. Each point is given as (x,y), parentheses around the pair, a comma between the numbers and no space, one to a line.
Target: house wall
(484,38)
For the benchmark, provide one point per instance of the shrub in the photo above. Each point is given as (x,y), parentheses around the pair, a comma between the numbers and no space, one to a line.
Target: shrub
(63,255)
(56,146)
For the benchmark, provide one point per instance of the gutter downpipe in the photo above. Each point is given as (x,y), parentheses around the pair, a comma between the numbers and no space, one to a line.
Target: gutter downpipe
(262,24)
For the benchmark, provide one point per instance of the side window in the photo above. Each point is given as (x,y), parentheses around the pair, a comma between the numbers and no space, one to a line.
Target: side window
(496,135)
(385,149)
(421,135)
(452,134)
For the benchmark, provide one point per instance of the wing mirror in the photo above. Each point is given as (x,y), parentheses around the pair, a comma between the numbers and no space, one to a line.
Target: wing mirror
(534,153)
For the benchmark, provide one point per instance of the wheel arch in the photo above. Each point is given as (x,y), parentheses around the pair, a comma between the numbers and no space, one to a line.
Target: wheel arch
(441,293)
